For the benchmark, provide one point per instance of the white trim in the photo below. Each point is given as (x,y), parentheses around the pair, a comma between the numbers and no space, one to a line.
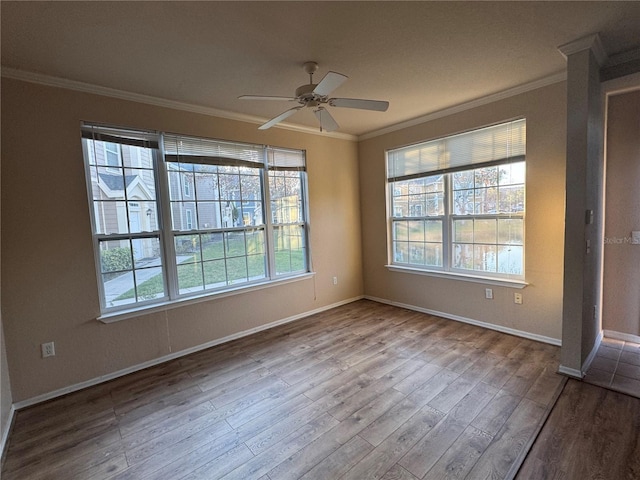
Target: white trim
(58,82)
(499,328)
(172,356)
(180,302)
(625,337)
(519,284)
(479,102)
(52,81)
(570,372)
(592,354)
(4,441)
(625,84)
(590,42)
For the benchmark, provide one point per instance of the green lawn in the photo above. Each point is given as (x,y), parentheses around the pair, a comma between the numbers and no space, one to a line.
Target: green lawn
(237,265)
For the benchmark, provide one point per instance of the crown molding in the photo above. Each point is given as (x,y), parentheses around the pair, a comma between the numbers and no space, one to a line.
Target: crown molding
(620,65)
(623,57)
(77,86)
(590,42)
(617,86)
(511,92)
(59,82)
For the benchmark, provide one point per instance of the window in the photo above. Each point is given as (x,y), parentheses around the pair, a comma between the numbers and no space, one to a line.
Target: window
(286,185)
(203,216)
(112,154)
(128,247)
(458,204)
(187,187)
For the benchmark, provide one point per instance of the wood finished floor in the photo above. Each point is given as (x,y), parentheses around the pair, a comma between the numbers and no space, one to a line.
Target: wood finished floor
(592,433)
(363,391)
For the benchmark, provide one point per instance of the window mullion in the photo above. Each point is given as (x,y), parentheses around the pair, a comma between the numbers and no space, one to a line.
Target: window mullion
(269,242)
(390,222)
(305,212)
(447,224)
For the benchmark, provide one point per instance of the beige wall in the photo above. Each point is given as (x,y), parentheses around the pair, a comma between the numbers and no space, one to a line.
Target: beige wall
(621,299)
(541,312)
(6,398)
(48,269)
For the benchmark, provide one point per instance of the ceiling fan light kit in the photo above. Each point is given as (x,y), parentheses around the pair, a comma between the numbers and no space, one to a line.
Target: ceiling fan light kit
(317,96)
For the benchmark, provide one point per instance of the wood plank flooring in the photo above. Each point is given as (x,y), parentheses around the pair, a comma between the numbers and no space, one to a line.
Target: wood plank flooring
(363,391)
(592,432)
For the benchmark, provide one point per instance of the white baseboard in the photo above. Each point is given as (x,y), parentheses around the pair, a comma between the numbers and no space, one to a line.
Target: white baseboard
(625,337)
(4,441)
(165,358)
(499,328)
(570,372)
(592,354)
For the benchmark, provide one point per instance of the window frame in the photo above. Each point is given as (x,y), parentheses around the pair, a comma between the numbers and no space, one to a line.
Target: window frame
(167,235)
(448,269)
(129,236)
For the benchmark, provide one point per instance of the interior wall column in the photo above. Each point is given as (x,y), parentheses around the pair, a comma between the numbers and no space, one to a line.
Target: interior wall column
(583,204)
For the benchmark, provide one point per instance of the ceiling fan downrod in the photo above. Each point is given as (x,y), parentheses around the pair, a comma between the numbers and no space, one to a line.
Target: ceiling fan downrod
(310,68)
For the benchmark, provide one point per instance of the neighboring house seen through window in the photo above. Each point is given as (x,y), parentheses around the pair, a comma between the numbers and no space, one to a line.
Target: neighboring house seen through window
(458,203)
(209,216)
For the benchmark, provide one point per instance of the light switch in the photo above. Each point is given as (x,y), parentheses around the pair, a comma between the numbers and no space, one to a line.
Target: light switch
(588,217)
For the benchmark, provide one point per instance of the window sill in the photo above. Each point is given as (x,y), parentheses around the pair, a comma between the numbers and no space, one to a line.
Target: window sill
(113,317)
(519,284)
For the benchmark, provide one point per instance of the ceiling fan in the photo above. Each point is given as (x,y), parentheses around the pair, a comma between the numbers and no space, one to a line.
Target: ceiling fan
(317,96)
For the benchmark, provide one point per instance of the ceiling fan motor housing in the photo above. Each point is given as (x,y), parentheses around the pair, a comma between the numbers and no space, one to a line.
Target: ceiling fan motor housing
(305,95)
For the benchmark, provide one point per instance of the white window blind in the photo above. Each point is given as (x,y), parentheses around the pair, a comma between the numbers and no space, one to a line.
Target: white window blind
(212,152)
(282,159)
(488,146)
(135,138)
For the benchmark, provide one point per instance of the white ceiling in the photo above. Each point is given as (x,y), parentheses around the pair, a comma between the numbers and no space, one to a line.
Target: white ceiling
(420,56)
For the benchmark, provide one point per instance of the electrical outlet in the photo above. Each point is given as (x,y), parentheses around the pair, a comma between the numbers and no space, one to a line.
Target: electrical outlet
(488,293)
(48,349)
(517,298)
(335,280)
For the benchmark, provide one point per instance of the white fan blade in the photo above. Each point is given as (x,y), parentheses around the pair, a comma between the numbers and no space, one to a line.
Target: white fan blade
(279,118)
(329,83)
(265,97)
(377,105)
(327,122)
